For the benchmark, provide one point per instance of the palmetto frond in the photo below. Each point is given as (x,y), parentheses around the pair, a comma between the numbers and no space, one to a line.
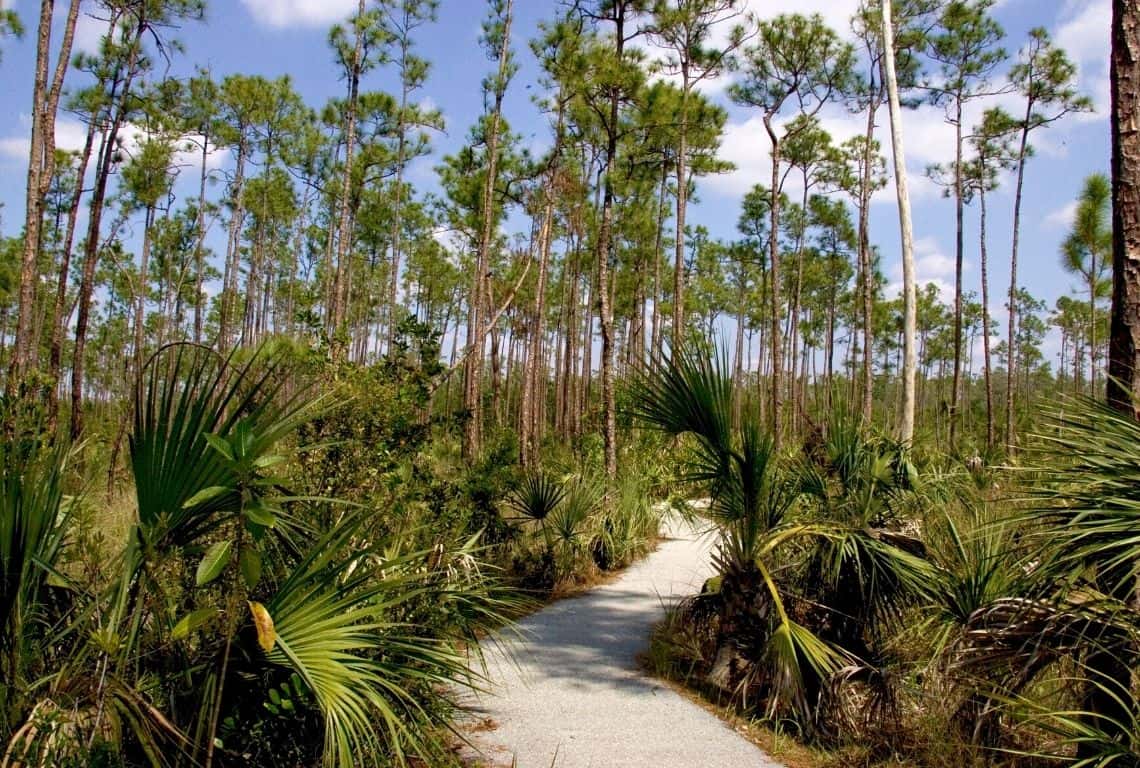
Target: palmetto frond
(190,394)
(537,497)
(33,522)
(341,624)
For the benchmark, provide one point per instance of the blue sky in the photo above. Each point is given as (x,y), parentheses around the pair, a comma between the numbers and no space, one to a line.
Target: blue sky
(275,37)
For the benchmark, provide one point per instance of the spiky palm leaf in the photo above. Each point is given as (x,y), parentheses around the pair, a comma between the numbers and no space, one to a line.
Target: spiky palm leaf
(339,624)
(537,497)
(33,523)
(690,393)
(188,395)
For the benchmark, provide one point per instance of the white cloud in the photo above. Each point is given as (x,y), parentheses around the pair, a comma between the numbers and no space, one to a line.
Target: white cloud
(1061,218)
(931,265)
(89,32)
(299,13)
(69,135)
(1083,32)
(836,13)
(927,139)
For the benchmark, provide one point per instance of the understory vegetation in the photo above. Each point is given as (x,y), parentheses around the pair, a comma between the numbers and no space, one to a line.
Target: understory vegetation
(300,576)
(897,607)
(306,391)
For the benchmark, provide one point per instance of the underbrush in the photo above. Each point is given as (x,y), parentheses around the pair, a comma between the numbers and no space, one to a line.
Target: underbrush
(894,607)
(294,565)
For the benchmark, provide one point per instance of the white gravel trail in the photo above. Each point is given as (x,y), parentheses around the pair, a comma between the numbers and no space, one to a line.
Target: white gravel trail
(570,694)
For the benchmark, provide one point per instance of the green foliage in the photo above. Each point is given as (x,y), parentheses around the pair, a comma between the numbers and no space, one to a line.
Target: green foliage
(34,522)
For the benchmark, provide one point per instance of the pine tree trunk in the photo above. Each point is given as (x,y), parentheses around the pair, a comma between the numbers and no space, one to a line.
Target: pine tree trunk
(344,233)
(41,169)
(233,251)
(866,274)
(1023,152)
(476,333)
(906,426)
(776,343)
(959,255)
(200,242)
(55,354)
(655,339)
(679,239)
(990,429)
(1124,346)
(107,150)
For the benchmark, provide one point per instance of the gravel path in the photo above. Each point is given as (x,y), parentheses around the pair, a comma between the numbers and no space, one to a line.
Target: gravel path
(571,696)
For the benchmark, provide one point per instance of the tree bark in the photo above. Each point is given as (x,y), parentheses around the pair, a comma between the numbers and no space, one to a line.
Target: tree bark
(1124,347)
(959,255)
(990,428)
(473,390)
(1022,154)
(340,284)
(118,100)
(41,169)
(59,326)
(682,199)
(776,343)
(906,425)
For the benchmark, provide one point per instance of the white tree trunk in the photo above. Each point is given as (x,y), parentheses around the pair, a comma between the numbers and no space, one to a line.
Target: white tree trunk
(906,426)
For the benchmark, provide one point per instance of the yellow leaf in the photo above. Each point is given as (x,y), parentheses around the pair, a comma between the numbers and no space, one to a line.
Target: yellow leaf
(266,633)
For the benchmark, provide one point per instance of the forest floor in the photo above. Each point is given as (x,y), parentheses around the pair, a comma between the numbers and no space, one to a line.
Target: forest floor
(568,691)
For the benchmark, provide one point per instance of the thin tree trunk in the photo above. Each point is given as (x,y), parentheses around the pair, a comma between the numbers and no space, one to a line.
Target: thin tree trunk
(41,170)
(200,242)
(906,427)
(990,429)
(94,224)
(1022,154)
(55,354)
(866,275)
(679,244)
(344,234)
(473,391)
(776,395)
(959,254)
(655,339)
(233,252)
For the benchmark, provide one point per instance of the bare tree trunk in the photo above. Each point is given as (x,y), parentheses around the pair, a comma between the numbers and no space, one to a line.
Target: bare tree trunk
(866,275)
(200,242)
(473,390)
(344,234)
(990,429)
(118,101)
(776,395)
(959,251)
(533,383)
(233,252)
(655,339)
(41,169)
(679,245)
(906,427)
(1124,347)
(140,293)
(55,354)
(1010,437)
